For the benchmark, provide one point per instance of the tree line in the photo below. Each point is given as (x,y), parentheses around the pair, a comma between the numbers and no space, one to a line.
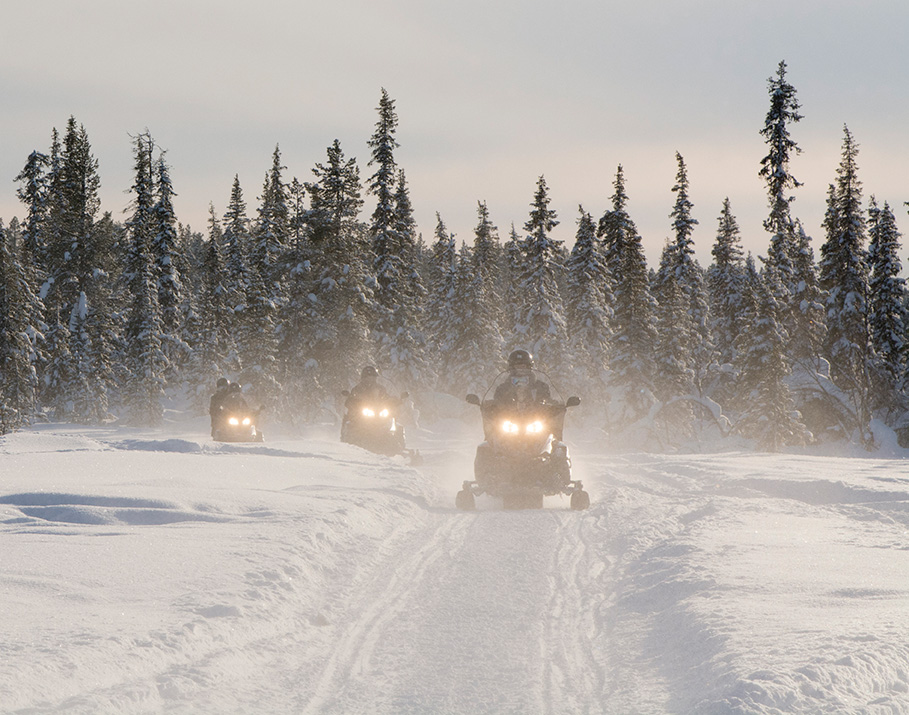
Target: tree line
(103,320)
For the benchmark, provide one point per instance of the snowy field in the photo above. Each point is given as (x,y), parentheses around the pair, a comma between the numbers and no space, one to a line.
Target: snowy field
(156,571)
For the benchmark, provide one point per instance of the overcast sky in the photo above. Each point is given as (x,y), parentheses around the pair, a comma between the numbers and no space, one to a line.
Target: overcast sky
(490,95)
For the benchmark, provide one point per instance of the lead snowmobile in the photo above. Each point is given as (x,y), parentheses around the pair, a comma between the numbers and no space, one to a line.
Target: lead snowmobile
(522,458)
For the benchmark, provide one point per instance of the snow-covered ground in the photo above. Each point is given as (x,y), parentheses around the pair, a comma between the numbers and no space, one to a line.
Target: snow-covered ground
(156,571)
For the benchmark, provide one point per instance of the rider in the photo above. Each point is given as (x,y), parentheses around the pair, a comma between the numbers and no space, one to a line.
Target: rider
(522,386)
(368,389)
(234,401)
(217,403)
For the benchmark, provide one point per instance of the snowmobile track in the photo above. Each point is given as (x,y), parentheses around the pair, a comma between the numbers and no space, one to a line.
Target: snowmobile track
(441,621)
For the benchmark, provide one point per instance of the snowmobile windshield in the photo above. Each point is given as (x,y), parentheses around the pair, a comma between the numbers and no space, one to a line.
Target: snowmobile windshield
(523,387)
(378,395)
(522,404)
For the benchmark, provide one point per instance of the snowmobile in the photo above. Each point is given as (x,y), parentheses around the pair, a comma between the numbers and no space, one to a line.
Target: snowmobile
(239,426)
(523,457)
(373,423)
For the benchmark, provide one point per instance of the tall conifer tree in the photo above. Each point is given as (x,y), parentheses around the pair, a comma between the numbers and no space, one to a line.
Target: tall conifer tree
(145,357)
(440,303)
(844,277)
(634,317)
(588,305)
(725,279)
(341,274)
(888,315)
(540,326)
(769,415)
(19,329)
(775,170)
(216,353)
(166,250)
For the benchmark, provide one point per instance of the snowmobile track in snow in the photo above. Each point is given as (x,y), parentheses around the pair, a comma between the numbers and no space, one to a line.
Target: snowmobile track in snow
(441,625)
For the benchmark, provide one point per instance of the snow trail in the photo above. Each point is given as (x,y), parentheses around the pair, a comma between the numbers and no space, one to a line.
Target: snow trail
(439,632)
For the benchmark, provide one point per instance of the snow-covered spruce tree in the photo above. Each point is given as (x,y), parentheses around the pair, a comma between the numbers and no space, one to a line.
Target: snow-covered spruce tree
(190,255)
(258,329)
(272,234)
(489,262)
(616,225)
(440,304)
(476,344)
(145,359)
(305,337)
(476,352)
(888,318)
(408,354)
(56,371)
(540,326)
(215,353)
(844,278)
(79,377)
(588,307)
(237,240)
(690,278)
(297,215)
(769,415)
(397,330)
(675,326)
(634,315)
(387,261)
(488,257)
(166,249)
(487,252)
(512,267)
(334,346)
(807,326)
(725,285)
(20,324)
(33,192)
(101,325)
(775,170)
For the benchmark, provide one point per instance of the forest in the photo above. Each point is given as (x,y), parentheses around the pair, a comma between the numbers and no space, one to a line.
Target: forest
(102,320)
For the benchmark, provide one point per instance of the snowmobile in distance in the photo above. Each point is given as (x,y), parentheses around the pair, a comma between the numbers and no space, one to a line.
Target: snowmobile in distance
(374,427)
(523,457)
(371,420)
(239,426)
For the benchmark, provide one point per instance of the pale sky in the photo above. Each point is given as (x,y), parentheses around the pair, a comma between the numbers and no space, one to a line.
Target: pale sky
(490,95)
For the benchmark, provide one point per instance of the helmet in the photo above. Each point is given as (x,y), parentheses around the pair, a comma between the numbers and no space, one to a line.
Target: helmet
(222,383)
(368,371)
(520,358)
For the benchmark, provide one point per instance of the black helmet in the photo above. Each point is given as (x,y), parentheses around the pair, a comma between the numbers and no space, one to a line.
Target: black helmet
(222,383)
(520,358)
(368,371)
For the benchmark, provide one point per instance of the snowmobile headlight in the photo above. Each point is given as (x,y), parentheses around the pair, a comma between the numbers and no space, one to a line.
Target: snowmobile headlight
(234,421)
(383,413)
(534,427)
(368,412)
(509,427)
(247,422)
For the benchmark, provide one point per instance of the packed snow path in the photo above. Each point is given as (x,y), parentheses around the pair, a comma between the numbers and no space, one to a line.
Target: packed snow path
(149,572)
